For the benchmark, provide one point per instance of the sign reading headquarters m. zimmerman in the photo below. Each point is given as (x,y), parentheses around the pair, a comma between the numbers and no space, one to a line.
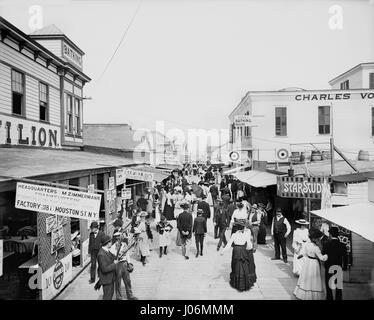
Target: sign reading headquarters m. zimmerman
(64,202)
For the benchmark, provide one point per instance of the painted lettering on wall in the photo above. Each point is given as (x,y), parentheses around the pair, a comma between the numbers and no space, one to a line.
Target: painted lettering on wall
(28,133)
(70,54)
(331,96)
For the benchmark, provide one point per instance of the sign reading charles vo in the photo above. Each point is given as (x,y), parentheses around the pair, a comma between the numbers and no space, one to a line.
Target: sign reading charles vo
(332,96)
(64,202)
(71,55)
(300,187)
(22,132)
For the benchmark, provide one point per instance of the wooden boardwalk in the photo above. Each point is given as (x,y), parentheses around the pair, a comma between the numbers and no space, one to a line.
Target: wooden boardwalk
(206,277)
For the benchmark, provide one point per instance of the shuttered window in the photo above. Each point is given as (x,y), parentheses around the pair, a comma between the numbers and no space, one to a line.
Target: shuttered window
(371,80)
(18,93)
(43,102)
(281,121)
(324,120)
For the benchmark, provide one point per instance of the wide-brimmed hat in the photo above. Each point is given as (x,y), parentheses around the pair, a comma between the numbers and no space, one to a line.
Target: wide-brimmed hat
(105,239)
(334,231)
(116,234)
(254,206)
(302,221)
(184,205)
(143,214)
(200,211)
(315,233)
(94,224)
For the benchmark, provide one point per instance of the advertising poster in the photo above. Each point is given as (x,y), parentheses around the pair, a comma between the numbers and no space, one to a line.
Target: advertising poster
(51,223)
(111,183)
(57,238)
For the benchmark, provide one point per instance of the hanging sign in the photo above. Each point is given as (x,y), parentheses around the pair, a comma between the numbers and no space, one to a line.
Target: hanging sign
(299,187)
(63,202)
(111,183)
(126,193)
(120,177)
(138,175)
(58,239)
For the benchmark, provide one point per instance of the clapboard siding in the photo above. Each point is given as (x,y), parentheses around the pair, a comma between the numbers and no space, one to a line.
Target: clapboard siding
(357,192)
(363,259)
(52,45)
(27,65)
(5,89)
(32,102)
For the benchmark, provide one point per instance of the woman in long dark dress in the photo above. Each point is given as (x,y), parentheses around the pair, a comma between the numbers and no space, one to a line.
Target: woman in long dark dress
(243,269)
(169,206)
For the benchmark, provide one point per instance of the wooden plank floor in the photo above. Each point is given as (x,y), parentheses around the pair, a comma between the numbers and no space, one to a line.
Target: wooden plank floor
(206,277)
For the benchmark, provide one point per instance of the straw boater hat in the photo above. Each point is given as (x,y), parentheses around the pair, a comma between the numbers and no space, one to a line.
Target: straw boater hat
(143,214)
(302,221)
(254,206)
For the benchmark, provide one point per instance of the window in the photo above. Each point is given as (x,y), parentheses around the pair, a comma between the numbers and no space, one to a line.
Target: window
(344,85)
(77,116)
(18,92)
(371,80)
(69,113)
(324,120)
(280,121)
(247,132)
(43,102)
(372,121)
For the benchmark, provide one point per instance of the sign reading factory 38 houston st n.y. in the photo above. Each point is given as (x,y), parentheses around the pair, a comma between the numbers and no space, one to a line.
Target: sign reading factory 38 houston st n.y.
(300,187)
(64,202)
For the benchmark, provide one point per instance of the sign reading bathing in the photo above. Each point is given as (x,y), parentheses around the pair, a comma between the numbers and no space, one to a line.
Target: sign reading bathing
(63,202)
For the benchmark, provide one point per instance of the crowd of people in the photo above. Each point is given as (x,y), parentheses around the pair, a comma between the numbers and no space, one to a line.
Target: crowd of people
(189,206)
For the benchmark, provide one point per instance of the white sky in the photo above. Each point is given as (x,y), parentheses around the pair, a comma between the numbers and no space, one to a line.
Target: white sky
(189,63)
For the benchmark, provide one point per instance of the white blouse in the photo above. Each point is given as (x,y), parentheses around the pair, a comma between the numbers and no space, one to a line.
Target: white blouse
(240,238)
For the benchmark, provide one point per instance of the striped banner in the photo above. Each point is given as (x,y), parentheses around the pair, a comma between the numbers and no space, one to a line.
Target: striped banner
(300,187)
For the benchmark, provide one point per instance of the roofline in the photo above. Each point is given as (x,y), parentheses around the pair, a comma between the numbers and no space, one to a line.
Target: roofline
(360,65)
(38,46)
(240,103)
(55,36)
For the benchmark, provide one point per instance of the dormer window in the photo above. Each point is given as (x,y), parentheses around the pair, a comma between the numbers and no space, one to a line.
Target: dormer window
(344,85)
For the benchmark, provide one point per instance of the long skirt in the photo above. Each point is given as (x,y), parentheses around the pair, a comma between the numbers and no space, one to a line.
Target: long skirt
(297,264)
(144,245)
(243,269)
(309,285)
(169,212)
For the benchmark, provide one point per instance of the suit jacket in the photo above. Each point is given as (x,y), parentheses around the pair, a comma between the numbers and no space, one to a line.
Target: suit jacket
(205,207)
(199,225)
(106,268)
(95,243)
(184,222)
(337,254)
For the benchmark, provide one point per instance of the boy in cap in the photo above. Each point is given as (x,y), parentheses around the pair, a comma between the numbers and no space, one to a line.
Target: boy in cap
(94,245)
(200,229)
(107,268)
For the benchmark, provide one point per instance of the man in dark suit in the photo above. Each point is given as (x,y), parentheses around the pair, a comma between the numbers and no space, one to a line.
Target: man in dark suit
(337,256)
(107,268)
(184,225)
(94,245)
(223,221)
(204,206)
(200,229)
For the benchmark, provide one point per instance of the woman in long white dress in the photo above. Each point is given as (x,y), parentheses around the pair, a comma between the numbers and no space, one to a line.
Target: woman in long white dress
(145,235)
(310,285)
(300,238)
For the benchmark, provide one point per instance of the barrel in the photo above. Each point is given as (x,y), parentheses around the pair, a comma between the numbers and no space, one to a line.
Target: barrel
(302,157)
(363,155)
(316,156)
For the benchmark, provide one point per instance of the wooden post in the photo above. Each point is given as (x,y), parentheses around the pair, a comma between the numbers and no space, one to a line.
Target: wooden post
(332,156)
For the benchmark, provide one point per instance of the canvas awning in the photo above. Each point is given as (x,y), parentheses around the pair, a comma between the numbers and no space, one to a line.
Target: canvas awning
(358,218)
(234,170)
(257,178)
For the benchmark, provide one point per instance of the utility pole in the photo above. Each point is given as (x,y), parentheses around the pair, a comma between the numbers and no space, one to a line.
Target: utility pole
(332,149)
